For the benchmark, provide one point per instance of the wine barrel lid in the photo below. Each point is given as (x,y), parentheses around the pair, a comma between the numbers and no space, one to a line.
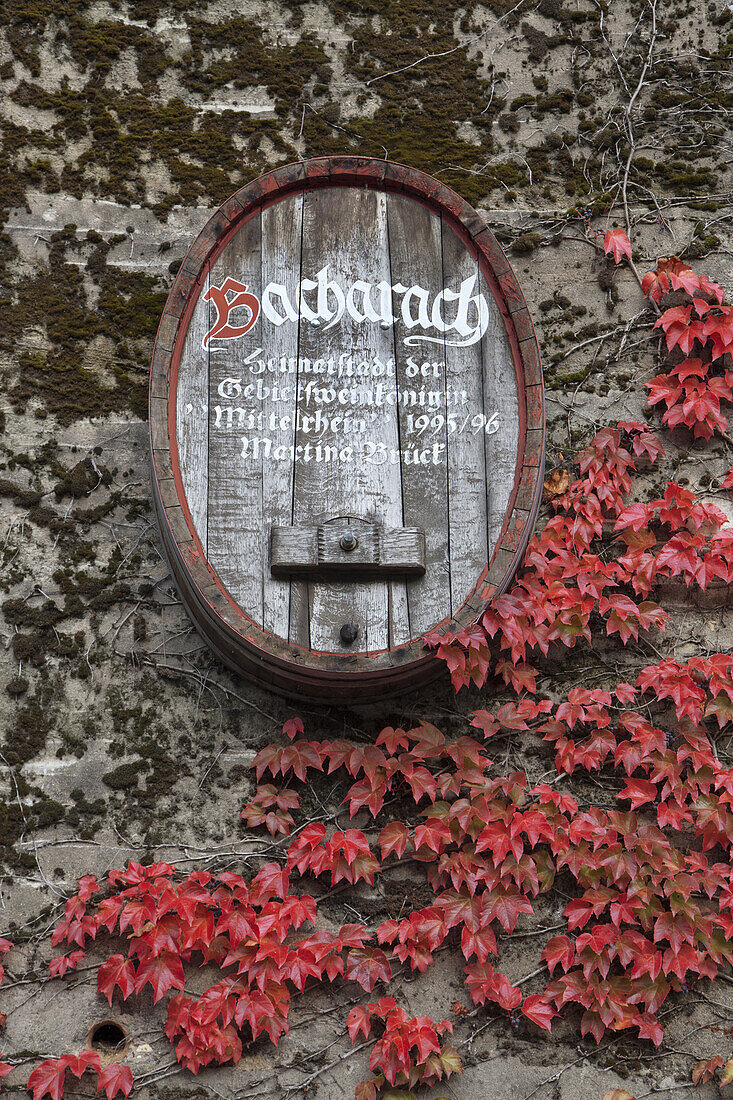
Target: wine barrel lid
(347,426)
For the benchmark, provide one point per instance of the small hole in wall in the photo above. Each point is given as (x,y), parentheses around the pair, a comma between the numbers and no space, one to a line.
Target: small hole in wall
(108,1037)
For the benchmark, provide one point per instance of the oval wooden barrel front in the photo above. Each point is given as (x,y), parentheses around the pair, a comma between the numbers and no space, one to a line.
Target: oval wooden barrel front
(347,425)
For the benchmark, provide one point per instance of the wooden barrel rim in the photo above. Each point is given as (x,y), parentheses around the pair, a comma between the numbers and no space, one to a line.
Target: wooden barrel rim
(236,638)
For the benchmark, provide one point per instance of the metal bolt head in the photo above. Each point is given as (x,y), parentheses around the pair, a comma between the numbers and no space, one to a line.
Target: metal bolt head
(348,633)
(348,541)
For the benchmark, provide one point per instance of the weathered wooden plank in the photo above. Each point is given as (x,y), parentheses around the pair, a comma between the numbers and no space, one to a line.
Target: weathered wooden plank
(294,550)
(159,428)
(282,227)
(415,257)
(235,524)
(365,350)
(500,398)
(467,480)
(341,370)
(339,550)
(192,421)
(381,550)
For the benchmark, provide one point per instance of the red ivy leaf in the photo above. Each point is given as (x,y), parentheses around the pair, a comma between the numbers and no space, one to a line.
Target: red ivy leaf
(560,949)
(271,881)
(293,727)
(649,1027)
(367,966)
(267,759)
(62,963)
(48,1079)
(367,1090)
(79,1063)
(537,1009)
(704,1071)
(164,972)
(484,720)
(505,994)
(618,243)
(592,1024)
(300,756)
(512,717)
(393,740)
(88,885)
(421,782)
(394,838)
(115,1078)
(625,693)
(639,791)
(116,971)
(358,1020)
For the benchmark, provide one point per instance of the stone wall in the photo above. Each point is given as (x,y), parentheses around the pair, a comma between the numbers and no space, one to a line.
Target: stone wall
(123,126)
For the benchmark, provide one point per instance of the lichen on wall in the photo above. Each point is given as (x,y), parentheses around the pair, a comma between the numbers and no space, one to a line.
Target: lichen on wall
(123,125)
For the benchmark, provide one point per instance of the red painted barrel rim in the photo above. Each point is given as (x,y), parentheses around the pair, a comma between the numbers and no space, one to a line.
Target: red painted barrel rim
(227,626)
